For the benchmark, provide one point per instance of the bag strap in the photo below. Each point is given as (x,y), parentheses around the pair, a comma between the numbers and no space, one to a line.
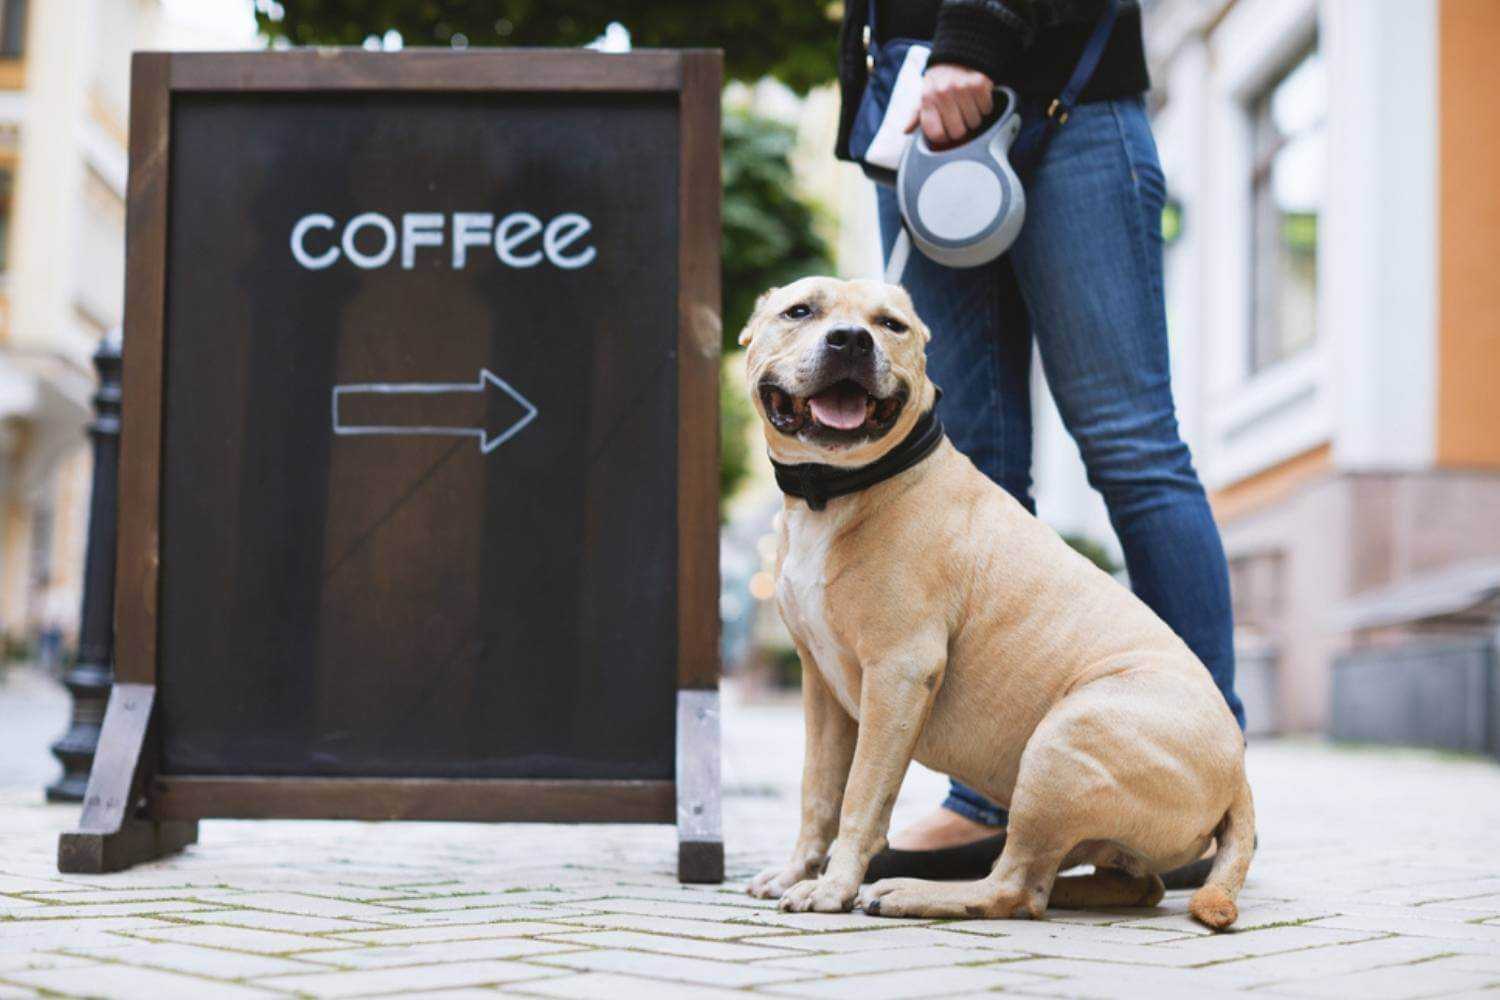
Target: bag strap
(1025,157)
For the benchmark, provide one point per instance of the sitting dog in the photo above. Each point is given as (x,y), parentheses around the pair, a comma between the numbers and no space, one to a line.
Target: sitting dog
(937,619)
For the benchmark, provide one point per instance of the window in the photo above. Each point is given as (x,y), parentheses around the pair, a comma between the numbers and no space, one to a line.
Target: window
(1286,190)
(12,29)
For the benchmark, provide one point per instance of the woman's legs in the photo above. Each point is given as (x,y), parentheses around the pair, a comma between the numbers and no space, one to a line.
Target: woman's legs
(1089,268)
(1089,262)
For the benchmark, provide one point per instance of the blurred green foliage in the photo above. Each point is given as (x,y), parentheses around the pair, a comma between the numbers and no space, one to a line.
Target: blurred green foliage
(770,237)
(795,41)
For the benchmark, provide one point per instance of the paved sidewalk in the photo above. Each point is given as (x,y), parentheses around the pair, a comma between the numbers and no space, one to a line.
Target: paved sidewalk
(1377,877)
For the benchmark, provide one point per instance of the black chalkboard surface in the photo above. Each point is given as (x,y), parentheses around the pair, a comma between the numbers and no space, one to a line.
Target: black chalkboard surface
(406,603)
(418,511)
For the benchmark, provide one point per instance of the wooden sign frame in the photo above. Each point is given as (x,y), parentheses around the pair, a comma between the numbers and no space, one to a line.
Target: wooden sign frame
(131,813)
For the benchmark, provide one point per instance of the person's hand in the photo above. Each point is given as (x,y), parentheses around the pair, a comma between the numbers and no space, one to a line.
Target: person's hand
(955,100)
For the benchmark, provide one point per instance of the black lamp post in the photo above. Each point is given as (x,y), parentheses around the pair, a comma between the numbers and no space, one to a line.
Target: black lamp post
(93,670)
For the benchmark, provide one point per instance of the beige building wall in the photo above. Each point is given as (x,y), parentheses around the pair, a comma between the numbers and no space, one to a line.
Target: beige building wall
(63,112)
(1371,456)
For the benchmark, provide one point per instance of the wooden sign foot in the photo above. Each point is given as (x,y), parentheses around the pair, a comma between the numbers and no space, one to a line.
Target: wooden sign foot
(113,832)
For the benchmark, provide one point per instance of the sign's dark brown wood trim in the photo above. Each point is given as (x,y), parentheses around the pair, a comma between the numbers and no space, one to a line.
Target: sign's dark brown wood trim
(123,835)
(698,349)
(138,549)
(472,801)
(442,70)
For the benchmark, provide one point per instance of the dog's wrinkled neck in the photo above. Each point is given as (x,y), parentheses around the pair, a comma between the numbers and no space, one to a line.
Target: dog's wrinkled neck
(817,483)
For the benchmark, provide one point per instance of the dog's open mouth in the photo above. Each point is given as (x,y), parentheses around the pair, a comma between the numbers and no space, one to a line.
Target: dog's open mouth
(842,411)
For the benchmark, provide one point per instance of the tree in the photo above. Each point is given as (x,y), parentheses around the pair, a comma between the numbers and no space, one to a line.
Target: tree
(793,40)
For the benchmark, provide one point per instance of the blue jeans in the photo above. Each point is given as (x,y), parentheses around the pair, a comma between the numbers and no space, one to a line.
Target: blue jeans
(1084,281)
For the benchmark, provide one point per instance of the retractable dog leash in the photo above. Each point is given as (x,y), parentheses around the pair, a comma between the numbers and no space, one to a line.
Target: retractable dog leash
(964,206)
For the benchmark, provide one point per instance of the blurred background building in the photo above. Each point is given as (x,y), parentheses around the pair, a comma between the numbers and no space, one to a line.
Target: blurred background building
(1333,217)
(1333,170)
(64,90)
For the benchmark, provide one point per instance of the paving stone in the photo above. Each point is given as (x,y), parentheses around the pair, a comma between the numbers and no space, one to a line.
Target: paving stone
(120,982)
(1418,926)
(375,982)
(449,932)
(294,923)
(47,935)
(312,905)
(684,910)
(215,963)
(86,911)
(19,960)
(1056,930)
(594,985)
(1252,917)
(1405,982)
(482,915)
(1328,960)
(672,945)
(939,982)
(237,938)
(889,959)
(385,956)
(657,966)
(888,934)
(772,918)
(1110,981)
(665,925)
(470,901)
(10,904)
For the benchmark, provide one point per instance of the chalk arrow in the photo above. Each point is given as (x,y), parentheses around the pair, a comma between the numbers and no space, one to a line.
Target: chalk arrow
(418,408)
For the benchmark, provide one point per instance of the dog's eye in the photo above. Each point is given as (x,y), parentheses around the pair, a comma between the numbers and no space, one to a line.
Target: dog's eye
(799,311)
(892,324)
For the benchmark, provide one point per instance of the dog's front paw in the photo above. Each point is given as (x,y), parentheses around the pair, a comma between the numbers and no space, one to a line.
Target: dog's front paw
(819,895)
(774,882)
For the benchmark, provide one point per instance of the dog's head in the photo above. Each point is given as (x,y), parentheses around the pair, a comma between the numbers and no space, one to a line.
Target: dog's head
(837,369)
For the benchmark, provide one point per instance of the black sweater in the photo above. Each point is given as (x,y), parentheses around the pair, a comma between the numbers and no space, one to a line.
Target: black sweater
(1030,45)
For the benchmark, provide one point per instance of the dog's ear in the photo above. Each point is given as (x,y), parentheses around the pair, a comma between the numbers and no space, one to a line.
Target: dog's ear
(748,333)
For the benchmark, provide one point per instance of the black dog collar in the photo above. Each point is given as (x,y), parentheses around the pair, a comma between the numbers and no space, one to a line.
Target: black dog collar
(817,483)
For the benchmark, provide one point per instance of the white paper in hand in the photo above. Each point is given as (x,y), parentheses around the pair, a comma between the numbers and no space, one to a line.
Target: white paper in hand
(891,138)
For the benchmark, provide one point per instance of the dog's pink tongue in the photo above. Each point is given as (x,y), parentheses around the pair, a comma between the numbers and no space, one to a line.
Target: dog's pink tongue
(841,407)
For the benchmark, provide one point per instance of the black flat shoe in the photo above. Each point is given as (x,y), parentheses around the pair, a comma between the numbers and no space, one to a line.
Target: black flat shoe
(1190,876)
(967,861)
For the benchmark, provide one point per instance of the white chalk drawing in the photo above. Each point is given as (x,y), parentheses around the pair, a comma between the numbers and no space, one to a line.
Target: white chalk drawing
(487,380)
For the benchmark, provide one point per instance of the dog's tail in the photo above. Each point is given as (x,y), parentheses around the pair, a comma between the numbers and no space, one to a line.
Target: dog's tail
(1213,905)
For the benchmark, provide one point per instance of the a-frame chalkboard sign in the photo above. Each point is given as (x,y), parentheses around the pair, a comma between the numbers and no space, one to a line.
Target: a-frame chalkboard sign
(419,489)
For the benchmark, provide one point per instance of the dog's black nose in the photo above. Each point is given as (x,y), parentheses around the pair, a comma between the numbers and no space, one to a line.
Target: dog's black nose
(853,340)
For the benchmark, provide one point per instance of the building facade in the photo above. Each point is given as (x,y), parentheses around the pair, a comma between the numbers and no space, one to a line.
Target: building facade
(64,93)
(1334,223)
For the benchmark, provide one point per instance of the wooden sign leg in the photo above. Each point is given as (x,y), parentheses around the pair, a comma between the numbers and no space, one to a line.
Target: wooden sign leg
(700,836)
(112,834)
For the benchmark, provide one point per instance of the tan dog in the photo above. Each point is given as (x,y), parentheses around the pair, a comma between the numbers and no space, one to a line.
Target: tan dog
(936,619)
